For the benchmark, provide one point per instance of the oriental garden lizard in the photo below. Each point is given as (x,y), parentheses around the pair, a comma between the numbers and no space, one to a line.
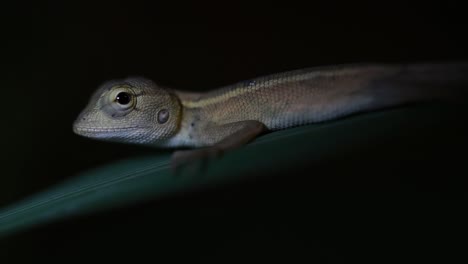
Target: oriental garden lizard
(138,111)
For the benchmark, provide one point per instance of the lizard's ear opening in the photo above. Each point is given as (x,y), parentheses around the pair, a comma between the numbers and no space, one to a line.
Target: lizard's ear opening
(119,101)
(163,116)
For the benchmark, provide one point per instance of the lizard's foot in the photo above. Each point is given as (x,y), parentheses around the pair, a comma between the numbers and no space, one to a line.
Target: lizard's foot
(189,158)
(244,132)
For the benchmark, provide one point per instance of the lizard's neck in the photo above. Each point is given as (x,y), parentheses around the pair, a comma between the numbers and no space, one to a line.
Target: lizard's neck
(191,123)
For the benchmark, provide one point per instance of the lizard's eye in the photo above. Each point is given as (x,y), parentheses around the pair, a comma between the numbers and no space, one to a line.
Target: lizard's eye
(119,101)
(123,98)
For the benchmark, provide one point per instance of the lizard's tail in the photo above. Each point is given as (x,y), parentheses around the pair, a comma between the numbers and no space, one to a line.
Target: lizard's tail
(425,82)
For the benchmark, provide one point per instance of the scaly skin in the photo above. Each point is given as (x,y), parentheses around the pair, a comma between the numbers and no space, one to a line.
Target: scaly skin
(233,115)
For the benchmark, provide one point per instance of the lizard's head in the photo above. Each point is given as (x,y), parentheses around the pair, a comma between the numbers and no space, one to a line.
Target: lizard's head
(134,110)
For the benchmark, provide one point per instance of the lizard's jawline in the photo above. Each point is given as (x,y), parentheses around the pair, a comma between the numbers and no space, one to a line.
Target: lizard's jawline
(79,130)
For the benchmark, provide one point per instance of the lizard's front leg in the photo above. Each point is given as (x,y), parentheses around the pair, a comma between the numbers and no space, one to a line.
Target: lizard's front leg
(231,136)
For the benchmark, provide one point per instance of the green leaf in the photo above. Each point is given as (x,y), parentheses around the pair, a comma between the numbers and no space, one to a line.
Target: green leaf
(138,179)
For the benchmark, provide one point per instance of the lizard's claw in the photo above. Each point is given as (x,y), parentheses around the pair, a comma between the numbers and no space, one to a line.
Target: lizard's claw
(184,158)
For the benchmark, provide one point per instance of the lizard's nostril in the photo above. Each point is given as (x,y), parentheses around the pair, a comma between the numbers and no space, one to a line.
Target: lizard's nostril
(83,119)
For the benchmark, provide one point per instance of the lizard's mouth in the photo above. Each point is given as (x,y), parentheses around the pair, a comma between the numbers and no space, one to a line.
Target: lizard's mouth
(88,131)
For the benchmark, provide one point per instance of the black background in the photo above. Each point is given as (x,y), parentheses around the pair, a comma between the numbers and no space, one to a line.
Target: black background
(57,53)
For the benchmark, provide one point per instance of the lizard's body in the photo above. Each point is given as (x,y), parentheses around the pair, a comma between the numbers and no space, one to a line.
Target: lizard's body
(248,108)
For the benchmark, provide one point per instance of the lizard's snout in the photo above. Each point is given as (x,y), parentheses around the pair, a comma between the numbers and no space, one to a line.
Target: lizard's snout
(79,124)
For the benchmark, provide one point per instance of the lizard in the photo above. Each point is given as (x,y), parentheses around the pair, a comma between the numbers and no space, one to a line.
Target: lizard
(136,110)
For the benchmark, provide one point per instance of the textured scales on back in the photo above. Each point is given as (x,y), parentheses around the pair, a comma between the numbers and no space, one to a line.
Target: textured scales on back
(291,98)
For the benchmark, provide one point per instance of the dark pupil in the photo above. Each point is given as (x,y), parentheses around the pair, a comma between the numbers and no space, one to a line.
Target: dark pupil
(123,98)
